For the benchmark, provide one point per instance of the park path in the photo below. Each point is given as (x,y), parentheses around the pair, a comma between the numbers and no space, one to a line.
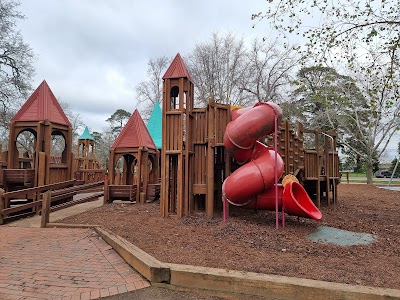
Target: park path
(58,263)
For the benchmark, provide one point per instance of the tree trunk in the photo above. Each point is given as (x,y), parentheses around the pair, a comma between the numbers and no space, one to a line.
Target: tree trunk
(369,173)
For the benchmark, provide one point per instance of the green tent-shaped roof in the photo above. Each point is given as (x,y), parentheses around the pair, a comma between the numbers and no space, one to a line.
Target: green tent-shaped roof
(154,125)
(86,135)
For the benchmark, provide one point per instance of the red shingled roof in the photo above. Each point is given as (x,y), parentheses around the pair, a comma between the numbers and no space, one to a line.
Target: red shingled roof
(134,134)
(42,106)
(177,69)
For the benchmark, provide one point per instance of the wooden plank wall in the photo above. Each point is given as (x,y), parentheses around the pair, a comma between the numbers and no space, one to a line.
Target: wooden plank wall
(199,135)
(174,133)
(222,118)
(58,173)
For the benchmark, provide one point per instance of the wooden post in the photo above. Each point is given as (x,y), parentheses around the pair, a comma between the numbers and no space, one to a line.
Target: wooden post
(48,128)
(139,174)
(318,169)
(46,201)
(72,169)
(111,166)
(327,170)
(145,173)
(1,206)
(12,160)
(69,155)
(164,159)
(180,184)
(105,197)
(210,160)
(142,198)
(42,169)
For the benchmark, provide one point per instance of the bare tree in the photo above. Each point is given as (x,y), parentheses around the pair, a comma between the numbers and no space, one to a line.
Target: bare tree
(16,58)
(149,91)
(382,92)
(270,71)
(219,68)
(16,66)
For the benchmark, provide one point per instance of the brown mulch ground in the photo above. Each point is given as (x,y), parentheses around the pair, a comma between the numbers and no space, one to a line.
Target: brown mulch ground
(250,242)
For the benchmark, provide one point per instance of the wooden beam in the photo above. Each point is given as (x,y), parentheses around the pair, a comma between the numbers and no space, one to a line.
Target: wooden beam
(180,185)
(1,206)
(139,174)
(45,217)
(145,174)
(210,161)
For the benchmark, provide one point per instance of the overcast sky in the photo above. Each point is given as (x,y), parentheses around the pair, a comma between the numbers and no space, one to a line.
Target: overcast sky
(94,53)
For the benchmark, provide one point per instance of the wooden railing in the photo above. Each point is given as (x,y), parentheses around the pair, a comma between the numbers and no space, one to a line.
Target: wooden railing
(58,191)
(90,175)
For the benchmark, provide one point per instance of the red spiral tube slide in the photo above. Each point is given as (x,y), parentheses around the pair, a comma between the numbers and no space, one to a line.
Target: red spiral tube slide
(250,185)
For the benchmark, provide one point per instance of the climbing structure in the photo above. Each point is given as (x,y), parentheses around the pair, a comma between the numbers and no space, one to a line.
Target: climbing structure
(177,151)
(43,119)
(195,162)
(133,166)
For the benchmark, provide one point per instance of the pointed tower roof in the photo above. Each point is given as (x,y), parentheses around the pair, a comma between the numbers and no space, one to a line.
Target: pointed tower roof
(177,69)
(154,125)
(42,106)
(134,134)
(86,135)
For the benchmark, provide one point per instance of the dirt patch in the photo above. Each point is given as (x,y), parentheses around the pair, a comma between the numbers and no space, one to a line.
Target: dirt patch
(250,242)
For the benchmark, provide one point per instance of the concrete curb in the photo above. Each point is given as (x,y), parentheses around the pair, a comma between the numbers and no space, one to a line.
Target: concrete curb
(231,284)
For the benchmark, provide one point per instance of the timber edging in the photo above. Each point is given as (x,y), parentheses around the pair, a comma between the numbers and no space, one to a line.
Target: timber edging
(230,284)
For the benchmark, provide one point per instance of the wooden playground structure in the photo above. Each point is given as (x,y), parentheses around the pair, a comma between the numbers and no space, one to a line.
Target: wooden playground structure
(133,167)
(187,177)
(194,162)
(26,173)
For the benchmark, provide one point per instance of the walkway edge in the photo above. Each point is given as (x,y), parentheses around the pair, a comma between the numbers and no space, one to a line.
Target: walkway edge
(235,284)
(152,269)
(273,286)
(64,225)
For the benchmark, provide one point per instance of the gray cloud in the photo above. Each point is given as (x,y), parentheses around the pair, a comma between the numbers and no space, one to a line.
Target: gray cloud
(94,53)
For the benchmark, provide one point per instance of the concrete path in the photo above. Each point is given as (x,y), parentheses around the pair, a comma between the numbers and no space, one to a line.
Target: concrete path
(56,263)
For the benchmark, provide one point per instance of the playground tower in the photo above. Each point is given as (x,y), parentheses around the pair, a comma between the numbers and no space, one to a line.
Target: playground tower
(176,174)
(42,116)
(85,152)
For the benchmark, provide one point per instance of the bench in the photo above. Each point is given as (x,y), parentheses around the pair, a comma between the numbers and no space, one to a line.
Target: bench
(122,192)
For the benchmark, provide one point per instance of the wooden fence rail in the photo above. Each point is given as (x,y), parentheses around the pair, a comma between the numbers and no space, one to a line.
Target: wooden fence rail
(63,191)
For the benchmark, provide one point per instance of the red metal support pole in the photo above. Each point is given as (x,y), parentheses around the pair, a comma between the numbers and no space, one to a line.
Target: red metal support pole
(276,172)
(224,208)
